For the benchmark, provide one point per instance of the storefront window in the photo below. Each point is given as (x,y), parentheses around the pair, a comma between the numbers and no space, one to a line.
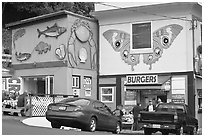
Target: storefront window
(87,85)
(178,89)
(39,84)
(107,94)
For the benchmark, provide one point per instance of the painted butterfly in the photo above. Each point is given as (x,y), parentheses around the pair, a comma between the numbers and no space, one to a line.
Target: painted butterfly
(162,39)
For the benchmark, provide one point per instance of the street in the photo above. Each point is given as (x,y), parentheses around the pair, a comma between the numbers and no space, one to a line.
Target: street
(11,125)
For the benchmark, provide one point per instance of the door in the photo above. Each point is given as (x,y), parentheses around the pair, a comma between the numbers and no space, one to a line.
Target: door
(41,86)
(110,118)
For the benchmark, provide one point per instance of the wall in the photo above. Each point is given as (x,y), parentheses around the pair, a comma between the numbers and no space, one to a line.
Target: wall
(112,63)
(61,47)
(27,39)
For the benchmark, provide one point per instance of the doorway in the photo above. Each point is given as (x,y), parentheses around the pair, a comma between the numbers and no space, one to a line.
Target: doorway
(163,98)
(40,86)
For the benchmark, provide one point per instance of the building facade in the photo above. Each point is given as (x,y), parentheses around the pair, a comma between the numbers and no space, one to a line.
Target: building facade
(151,52)
(56,54)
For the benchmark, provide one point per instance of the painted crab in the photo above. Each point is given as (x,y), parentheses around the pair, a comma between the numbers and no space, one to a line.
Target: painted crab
(81,31)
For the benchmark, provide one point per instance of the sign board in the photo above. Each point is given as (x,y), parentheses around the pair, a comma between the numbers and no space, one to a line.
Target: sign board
(142,79)
(87,83)
(14,84)
(87,92)
(76,92)
(178,100)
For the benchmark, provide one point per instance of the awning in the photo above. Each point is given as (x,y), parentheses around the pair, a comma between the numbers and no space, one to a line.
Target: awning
(161,80)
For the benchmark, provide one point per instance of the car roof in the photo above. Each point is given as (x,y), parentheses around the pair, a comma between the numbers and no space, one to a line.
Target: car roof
(172,103)
(76,98)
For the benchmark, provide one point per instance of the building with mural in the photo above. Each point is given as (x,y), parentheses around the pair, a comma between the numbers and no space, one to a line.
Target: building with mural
(151,52)
(56,54)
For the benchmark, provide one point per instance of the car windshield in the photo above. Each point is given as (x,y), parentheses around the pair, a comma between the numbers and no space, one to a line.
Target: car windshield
(77,102)
(170,108)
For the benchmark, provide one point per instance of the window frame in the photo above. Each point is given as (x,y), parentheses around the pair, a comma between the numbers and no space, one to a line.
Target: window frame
(74,81)
(142,50)
(113,90)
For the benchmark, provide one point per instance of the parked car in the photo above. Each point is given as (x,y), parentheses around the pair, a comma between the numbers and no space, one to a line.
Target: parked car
(169,118)
(83,113)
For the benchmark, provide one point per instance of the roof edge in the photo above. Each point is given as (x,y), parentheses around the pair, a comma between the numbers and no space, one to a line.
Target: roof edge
(46,16)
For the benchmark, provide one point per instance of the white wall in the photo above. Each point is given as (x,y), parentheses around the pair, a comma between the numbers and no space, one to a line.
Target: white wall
(173,59)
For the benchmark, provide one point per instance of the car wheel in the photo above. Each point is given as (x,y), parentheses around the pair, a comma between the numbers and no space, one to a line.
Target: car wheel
(194,131)
(55,125)
(5,113)
(180,131)
(92,124)
(165,132)
(147,131)
(117,128)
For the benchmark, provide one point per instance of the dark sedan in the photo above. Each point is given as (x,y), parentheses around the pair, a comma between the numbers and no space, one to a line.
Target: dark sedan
(83,113)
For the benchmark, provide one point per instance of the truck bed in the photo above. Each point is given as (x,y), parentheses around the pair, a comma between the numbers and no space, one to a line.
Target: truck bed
(157,117)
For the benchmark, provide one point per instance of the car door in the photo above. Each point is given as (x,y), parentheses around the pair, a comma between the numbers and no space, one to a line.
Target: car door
(101,116)
(190,120)
(112,119)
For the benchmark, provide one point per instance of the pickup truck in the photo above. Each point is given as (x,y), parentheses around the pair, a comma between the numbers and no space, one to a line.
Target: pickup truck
(168,118)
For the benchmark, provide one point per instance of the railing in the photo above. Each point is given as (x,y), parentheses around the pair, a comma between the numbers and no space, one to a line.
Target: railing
(40,102)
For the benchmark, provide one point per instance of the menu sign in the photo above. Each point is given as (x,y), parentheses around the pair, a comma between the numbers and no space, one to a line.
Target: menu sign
(142,79)
(141,35)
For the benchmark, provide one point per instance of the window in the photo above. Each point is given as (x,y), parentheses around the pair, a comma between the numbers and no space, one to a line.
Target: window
(98,105)
(107,94)
(49,87)
(75,81)
(76,102)
(141,39)
(199,98)
(178,85)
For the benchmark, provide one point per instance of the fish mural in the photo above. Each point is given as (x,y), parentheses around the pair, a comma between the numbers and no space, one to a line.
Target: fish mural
(22,56)
(162,39)
(53,31)
(60,52)
(42,47)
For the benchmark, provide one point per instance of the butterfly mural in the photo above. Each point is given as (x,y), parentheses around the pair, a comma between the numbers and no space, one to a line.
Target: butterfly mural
(162,39)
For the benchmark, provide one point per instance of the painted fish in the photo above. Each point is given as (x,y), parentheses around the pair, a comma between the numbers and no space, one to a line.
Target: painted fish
(19,33)
(22,56)
(42,47)
(54,31)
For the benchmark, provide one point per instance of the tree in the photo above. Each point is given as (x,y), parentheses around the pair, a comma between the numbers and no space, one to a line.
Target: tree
(15,11)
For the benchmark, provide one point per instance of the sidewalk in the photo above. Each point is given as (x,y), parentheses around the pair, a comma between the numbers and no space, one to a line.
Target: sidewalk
(37,121)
